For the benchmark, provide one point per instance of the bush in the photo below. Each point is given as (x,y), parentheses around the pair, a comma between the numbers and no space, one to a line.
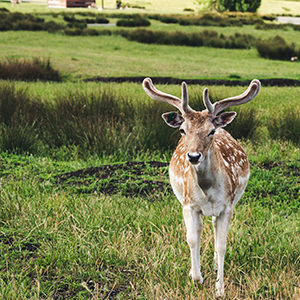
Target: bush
(276,48)
(222,20)
(52,27)
(136,22)
(208,38)
(86,32)
(36,69)
(239,5)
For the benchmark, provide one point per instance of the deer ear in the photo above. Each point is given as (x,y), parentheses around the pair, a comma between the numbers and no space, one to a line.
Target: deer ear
(173,119)
(223,119)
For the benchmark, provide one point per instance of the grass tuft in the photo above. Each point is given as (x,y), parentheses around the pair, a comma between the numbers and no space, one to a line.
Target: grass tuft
(35,70)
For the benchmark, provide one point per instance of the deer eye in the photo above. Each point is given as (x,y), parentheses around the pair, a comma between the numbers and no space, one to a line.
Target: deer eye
(212,132)
(182,132)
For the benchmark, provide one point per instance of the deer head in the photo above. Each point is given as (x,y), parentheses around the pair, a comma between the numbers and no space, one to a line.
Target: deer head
(198,128)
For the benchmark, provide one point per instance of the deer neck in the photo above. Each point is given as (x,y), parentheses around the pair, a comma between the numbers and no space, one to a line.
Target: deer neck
(206,173)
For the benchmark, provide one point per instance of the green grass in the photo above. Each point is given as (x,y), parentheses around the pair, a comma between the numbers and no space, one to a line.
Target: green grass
(115,56)
(60,243)
(62,238)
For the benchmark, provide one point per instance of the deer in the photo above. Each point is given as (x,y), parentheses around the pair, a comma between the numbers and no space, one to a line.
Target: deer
(209,170)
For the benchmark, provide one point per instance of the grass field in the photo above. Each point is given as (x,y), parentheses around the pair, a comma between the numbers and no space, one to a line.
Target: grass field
(81,223)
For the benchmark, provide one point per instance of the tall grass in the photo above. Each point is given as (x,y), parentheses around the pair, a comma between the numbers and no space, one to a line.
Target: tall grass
(286,125)
(29,70)
(99,121)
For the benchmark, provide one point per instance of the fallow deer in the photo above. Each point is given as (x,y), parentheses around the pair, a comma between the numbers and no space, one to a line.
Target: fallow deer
(208,171)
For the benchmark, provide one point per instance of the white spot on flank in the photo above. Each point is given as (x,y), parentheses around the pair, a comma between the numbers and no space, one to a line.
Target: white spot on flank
(225,163)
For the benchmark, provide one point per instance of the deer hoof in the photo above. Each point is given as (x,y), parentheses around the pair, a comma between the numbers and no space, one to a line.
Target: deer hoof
(197,277)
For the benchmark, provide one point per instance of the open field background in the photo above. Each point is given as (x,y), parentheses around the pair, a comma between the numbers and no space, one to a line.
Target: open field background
(86,210)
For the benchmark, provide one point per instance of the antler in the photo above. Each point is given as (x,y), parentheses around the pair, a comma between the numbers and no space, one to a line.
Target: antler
(155,94)
(247,96)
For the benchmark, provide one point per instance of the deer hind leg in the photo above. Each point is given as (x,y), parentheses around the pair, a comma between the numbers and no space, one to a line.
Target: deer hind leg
(193,223)
(222,226)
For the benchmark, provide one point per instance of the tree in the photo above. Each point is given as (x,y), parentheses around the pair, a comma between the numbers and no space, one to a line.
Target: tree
(238,5)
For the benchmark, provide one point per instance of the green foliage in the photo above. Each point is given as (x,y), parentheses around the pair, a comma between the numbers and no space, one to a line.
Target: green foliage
(164,19)
(239,5)
(276,48)
(137,21)
(208,38)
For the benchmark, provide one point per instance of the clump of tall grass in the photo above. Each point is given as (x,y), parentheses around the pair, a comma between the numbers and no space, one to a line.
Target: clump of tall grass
(28,70)
(164,18)
(286,125)
(208,38)
(137,21)
(19,21)
(98,121)
(276,48)
(221,20)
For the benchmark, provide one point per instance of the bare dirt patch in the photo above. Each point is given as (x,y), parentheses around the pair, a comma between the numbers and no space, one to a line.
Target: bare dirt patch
(129,179)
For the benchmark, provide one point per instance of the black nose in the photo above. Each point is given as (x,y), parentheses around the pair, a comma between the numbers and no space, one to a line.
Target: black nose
(194,157)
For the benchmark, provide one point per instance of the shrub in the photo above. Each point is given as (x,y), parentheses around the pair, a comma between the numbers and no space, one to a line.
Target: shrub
(188,9)
(100,20)
(296,27)
(276,48)
(209,38)
(264,26)
(86,32)
(73,32)
(215,20)
(52,27)
(36,69)
(28,25)
(239,5)
(136,22)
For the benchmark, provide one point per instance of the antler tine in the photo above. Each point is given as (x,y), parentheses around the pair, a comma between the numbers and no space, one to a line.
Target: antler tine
(207,102)
(185,98)
(245,97)
(157,95)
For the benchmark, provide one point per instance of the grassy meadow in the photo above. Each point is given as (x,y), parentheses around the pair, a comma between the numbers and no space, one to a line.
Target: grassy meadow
(86,210)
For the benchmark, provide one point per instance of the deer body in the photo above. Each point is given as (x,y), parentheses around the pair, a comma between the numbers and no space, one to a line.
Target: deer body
(203,186)
(209,170)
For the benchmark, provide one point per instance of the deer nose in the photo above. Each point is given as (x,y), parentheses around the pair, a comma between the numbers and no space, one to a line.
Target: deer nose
(194,157)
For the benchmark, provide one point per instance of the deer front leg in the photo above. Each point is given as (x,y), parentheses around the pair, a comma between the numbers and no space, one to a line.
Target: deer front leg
(193,223)
(214,221)
(221,226)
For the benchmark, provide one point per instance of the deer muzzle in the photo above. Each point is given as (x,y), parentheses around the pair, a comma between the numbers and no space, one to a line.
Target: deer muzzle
(194,158)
